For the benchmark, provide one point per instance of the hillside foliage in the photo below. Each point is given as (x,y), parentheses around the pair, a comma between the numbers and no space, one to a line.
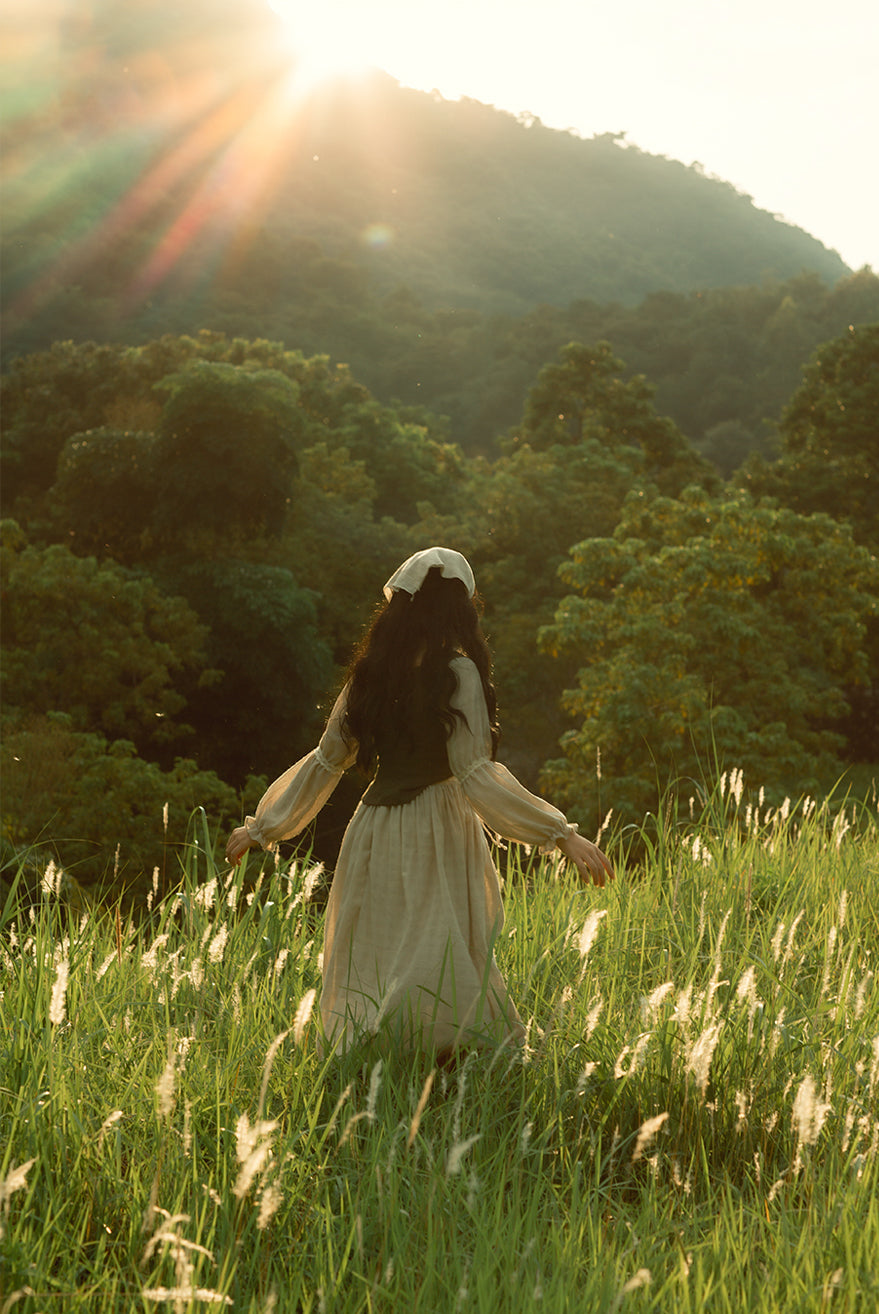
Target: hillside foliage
(182,597)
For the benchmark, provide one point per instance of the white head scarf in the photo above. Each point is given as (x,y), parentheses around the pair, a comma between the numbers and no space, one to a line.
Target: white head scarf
(411,575)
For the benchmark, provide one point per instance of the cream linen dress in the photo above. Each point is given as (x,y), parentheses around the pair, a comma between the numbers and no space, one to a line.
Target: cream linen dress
(415,905)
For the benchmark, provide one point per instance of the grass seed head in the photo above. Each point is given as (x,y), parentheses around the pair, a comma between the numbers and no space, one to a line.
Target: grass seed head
(646,1132)
(57,1010)
(303,1014)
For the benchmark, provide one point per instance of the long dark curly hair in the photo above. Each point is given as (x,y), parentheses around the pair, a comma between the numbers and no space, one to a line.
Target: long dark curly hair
(401,667)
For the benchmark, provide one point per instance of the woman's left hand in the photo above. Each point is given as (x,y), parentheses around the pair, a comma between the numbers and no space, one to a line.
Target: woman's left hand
(237,845)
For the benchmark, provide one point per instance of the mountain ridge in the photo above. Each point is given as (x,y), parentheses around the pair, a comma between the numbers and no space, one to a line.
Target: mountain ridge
(144,182)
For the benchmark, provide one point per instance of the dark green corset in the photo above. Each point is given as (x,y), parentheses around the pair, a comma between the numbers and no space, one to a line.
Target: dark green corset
(406,767)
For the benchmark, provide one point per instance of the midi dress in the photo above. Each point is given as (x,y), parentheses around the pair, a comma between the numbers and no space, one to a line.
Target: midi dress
(415,906)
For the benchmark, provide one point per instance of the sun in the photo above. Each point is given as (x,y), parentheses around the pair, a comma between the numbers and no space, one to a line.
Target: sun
(329,40)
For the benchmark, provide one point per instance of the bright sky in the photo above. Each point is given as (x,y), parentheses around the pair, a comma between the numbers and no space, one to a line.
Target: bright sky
(778,97)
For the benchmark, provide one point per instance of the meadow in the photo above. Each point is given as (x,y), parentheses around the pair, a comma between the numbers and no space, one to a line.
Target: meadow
(692,1123)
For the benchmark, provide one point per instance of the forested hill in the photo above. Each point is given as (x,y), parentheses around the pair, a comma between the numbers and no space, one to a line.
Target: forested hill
(167,172)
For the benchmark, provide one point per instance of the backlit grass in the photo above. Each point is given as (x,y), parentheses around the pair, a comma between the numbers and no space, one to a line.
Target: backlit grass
(693,1123)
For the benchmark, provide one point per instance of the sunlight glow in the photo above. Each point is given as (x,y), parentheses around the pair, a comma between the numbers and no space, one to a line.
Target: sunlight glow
(331,40)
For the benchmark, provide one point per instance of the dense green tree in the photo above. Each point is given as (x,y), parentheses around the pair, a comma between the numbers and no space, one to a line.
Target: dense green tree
(104,497)
(337,543)
(225,452)
(709,630)
(261,633)
(97,642)
(586,438)
(406,463)
(585,396)
(100,810)
(829,459)
(47,396)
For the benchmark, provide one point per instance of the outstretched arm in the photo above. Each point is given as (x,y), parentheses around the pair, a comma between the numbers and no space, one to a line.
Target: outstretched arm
(502,801)
(297,796)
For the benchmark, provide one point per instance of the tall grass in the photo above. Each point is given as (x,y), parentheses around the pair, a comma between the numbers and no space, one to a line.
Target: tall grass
(693,1123)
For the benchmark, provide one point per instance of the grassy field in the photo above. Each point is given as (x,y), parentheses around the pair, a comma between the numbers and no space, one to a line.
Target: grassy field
(693,1123)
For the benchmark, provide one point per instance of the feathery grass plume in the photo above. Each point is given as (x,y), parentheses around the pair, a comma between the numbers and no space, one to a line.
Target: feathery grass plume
(14,1297)
(270,1201)
(254,1150)
(457,1152)
(746,990)
(736,784)
(154,889)
(165,1229)
(642,1278)
(586,938)
(584,1077)
(638,1053)
(386,1000)
(105,966)
(646,1132)
(267,1069)
(206,895)
(789,945)
(372,1095)
(742,1108)
(459,1102)
(874,1069)
(109,1121)
(651,1004)
(702,916)
(167,1235)
(15,1180)
(180,1295)
(340,1102)
(303,1014)
(50,881)
(589,931)
(306,888)
(592,1017)
(150,958)
(809,1112)
(420,1107)
(217,946)
(700,1053)
(369,1112)
(166,1084)
(714,983)
(57,1010)
(604,825)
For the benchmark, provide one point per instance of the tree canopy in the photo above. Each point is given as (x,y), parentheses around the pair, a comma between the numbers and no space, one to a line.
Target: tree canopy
(711,631)
(210,521)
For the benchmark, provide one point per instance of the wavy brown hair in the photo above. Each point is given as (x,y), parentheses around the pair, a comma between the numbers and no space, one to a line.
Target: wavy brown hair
(401,667)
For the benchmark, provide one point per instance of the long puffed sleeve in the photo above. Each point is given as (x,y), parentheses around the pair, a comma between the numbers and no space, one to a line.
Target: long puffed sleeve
(504,804)
(297,796)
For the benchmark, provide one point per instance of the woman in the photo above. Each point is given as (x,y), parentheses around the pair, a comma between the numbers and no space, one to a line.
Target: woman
(415,905)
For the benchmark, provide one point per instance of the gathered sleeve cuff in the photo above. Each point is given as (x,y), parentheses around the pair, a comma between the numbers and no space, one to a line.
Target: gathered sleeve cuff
(502,802)
(296,797)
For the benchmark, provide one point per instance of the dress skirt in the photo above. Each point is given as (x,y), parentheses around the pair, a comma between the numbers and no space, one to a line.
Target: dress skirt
(414,914)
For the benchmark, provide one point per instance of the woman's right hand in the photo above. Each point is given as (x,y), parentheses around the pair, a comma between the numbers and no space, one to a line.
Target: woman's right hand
(587,857)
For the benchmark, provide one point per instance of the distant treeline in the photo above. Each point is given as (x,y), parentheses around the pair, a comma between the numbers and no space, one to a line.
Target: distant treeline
(444,250)
(197,528)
